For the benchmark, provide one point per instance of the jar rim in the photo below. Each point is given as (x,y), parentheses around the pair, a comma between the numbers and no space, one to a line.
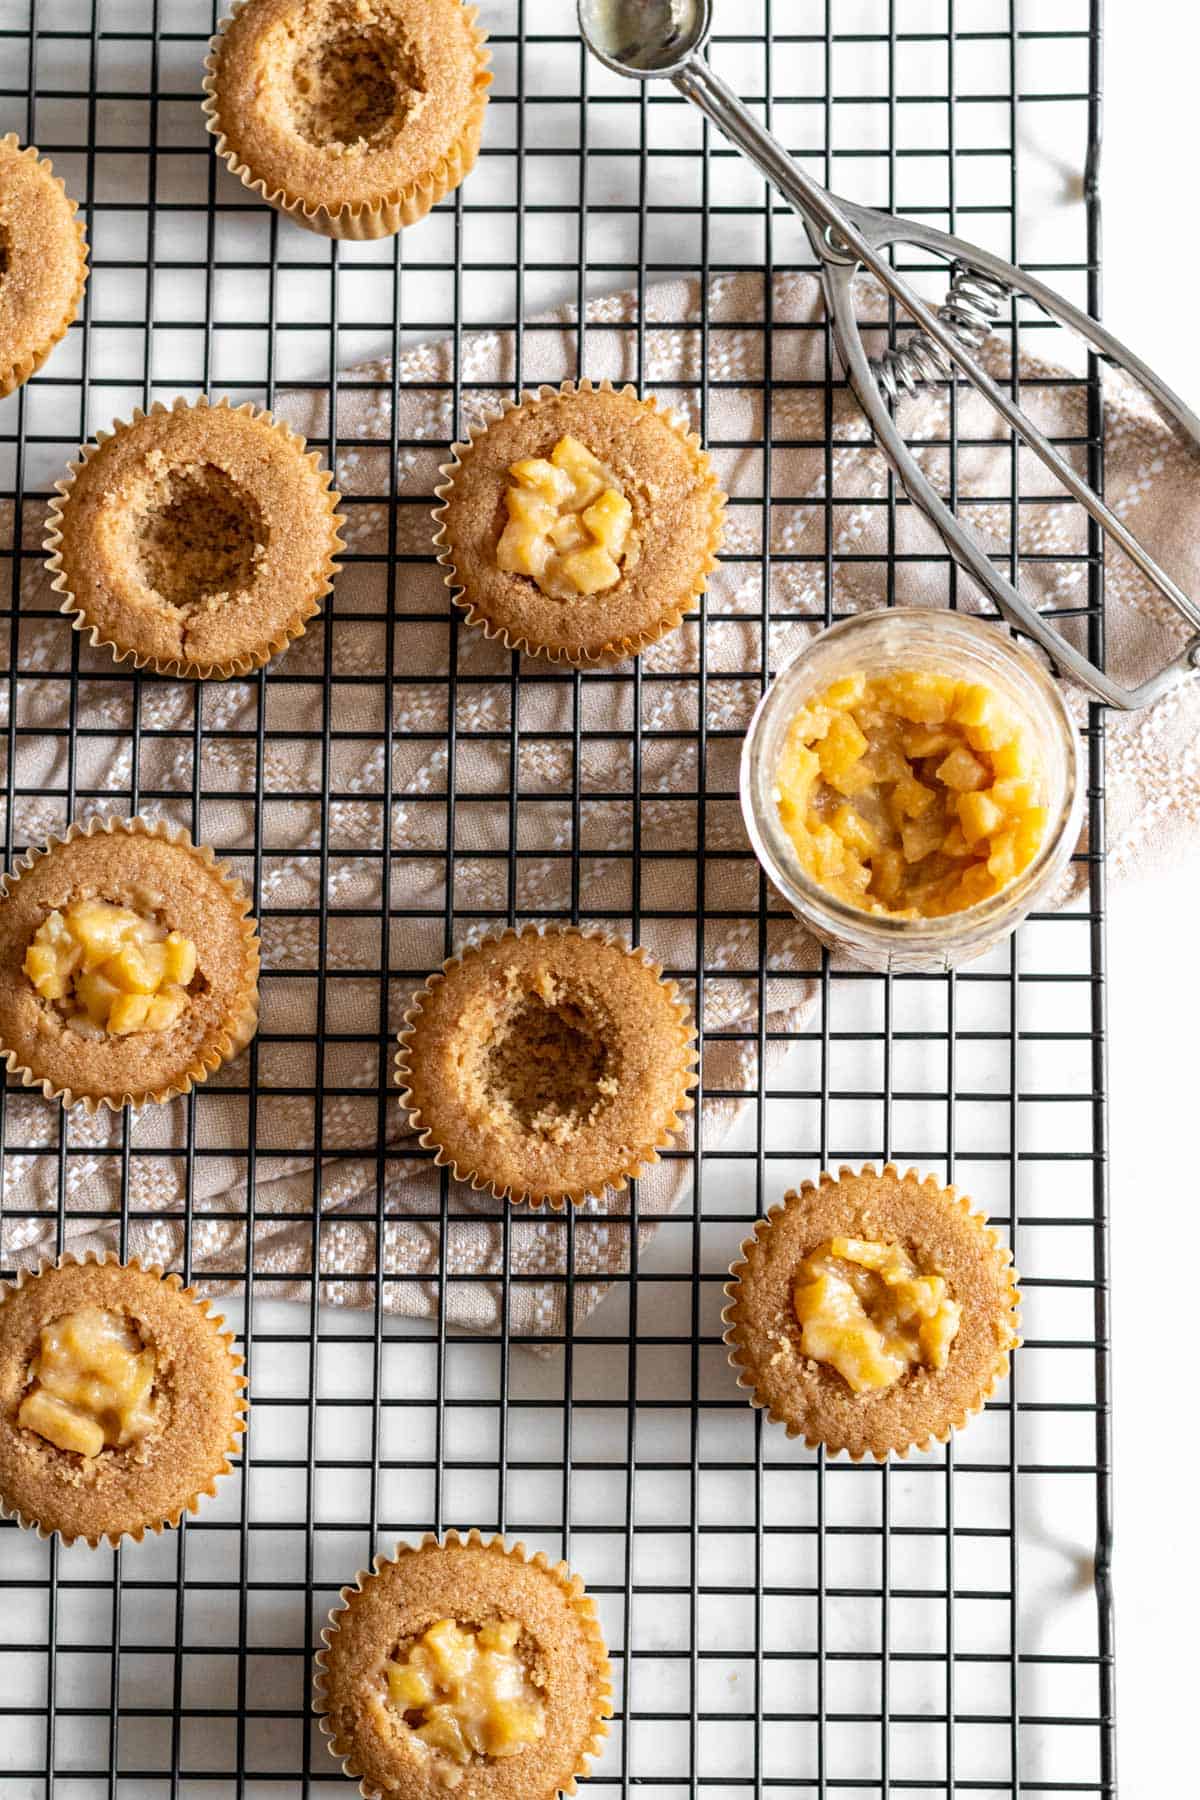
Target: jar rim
(886,930)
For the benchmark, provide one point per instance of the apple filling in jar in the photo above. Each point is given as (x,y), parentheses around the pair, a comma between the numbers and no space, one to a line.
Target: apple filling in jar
(570,527)
(466,1691)
(910,794)
(110,970)
(867,1311)
(91,1384)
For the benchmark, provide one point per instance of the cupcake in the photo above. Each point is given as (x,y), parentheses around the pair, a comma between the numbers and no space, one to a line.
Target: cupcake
(547,1065)
(128,965)
(579,525)
(43,262)
(353,117)
(121,1400)
(872,1313)
(464,1664)
(196,540)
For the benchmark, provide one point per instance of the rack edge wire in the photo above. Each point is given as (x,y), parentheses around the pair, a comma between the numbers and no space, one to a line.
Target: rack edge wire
(1102,1573)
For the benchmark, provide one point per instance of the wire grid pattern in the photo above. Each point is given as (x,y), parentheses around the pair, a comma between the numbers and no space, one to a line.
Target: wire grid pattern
(776,1621)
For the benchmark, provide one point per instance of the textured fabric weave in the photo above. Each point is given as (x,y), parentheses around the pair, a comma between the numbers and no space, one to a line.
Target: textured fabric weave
(818,437)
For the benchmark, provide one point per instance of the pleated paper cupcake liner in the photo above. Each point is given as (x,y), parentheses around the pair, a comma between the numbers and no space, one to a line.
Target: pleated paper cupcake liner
(582,1610)
(241,1019)
(40,1519)
(390,211)
(942,1412)
(625,645)
(183,667)
(638,1157)
(17,371)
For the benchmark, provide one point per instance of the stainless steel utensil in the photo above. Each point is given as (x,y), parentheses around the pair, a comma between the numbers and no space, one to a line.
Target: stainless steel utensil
(648,39)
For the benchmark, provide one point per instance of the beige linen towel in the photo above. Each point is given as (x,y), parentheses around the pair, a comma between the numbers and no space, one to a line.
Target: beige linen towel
(1154,800)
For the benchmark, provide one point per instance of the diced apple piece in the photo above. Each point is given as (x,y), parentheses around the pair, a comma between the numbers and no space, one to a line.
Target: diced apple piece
(962,771)
(136,968)
(936,1334)
(1011,758)
(854,780)
(1029,831)
(567,533)
(842,746)
(609,519)
(48,970)
(910,799)
(811,723)
(846,692)
(925,699)
(887,875)
(409,1687)
(499,1634)
(1015,793)
(96,994)
(972,704)
(588,478)
(979,816)
(921,837)
(1002,858)
(888,761)
(521,551)
(452,1650)
(553,485)
(102,929)
(511,1725)
(179,959)
(529,509)
(954,843)
(164,1009)
(829,852)
(927,740)
(974,884)
(857,832)
(590,570)
(60,1424)
(795,777)
(442,1731)
(128,1014)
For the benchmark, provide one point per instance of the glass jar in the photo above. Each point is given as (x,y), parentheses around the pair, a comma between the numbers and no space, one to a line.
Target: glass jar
(936,641)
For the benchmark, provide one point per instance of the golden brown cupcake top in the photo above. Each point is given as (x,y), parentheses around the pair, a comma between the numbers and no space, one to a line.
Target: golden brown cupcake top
(404,1674)
(197,540)
(872,1313)
(346,104)
(120,1400)
(43,262)
(665,553)
(161,879)
(547,1066)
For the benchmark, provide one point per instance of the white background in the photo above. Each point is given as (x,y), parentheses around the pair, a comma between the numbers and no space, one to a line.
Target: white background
(1155,976)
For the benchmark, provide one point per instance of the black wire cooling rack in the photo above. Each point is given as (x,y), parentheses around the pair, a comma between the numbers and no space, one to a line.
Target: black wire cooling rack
(777,1621)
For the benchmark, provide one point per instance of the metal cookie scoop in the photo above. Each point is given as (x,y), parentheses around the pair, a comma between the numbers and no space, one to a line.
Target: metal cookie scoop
(650,38)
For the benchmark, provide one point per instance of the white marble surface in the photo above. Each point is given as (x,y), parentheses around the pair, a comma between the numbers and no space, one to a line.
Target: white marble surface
(1154,967)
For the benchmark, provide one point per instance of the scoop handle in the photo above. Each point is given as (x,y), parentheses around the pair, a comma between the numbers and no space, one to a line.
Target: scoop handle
(845,237)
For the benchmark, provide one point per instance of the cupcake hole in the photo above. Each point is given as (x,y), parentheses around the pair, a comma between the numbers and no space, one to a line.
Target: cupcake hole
(352,91)
(469,1690)
(92,1384)
(107,968)
(202,541)
(548,1067)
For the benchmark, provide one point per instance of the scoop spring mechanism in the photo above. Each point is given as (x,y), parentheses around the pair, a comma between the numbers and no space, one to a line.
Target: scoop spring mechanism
(970,310)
